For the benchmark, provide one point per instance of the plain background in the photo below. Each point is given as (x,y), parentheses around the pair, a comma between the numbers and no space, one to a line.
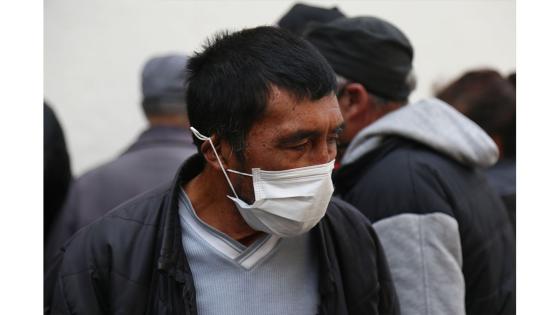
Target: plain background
(94,52)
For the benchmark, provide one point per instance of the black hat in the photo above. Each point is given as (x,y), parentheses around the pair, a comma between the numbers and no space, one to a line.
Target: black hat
(369,51)
(300,14)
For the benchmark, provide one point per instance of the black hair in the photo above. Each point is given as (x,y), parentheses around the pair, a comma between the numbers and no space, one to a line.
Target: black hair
(231,79)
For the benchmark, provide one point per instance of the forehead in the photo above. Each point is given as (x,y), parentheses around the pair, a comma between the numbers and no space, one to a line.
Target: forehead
(286,114)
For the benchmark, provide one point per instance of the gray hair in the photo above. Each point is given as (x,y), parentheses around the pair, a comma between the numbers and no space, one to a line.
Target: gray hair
(341,82)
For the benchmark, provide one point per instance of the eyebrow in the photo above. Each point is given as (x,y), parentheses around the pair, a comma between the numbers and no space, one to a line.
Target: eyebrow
(305,134)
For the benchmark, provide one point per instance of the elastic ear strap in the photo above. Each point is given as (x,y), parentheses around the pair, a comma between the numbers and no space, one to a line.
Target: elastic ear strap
(205,138)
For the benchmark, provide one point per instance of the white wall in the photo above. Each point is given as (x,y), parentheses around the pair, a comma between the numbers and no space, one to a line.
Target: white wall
(94,50)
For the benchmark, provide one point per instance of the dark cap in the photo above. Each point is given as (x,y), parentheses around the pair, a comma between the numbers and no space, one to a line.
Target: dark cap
(163,85)
(297,18)
(369,51)
(163,77)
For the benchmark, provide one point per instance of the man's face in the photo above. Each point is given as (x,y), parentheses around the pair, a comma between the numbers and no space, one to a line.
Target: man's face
(356,111)
(291,134)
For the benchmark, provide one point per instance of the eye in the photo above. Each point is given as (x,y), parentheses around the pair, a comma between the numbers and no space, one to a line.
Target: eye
(300,147)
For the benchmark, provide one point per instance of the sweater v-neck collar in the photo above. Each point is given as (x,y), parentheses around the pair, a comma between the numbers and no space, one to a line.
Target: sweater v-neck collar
(244,256)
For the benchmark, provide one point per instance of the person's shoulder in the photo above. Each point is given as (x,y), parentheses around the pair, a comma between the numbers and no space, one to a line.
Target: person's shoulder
(95,177)
(118,232)
(407,178)
(392,161)
(409,160)
(419,157)
(144,208)
(409,153)
(108,170)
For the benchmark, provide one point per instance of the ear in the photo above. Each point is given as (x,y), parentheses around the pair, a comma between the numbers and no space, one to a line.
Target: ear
(223,149)
(354,102)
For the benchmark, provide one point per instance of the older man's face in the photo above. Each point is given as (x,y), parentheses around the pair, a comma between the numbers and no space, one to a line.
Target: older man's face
(291,134)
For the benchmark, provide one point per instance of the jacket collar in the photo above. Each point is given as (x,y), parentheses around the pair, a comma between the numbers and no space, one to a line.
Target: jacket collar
(172,256)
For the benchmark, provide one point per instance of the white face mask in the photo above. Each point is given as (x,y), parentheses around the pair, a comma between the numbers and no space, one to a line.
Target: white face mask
(287,203)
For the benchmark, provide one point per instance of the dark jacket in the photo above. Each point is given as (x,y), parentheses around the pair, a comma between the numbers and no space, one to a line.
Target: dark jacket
(132,262)
(502,178)
(56,168)
(151,161)
(445,232)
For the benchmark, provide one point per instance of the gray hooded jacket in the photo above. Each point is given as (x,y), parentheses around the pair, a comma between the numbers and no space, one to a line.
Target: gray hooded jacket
(415,174)
(435,124)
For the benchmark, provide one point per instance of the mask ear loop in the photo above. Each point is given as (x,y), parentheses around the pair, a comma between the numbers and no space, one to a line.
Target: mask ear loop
(204,138)
(240,173)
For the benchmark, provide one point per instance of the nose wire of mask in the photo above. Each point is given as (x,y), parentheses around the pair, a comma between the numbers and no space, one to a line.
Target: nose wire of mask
(205,138)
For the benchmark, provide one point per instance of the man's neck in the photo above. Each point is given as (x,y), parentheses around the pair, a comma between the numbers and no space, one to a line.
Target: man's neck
(207,194)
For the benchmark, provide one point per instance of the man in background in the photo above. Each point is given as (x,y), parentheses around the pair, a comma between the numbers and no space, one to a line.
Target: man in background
(413,170)
(488,99)
(150,161)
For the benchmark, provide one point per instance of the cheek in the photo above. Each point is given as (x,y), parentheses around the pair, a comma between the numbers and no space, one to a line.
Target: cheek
(244,187)
(264,155)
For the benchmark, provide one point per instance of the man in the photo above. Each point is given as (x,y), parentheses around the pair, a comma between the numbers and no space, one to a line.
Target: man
(413,171)
(248,226)
(488,99)
(150,161)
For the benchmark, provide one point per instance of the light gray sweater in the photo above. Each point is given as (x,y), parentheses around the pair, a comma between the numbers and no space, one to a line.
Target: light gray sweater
(271,276)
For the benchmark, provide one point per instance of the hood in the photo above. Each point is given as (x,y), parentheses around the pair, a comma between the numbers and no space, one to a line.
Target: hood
(433,123)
